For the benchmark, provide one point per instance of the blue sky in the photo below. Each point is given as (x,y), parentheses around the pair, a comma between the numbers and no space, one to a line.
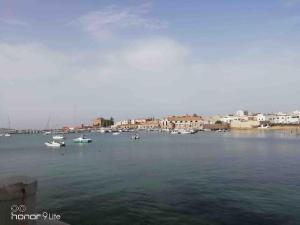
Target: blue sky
(146,58)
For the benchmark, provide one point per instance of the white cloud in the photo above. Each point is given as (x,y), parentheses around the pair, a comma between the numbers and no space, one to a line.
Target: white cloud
(154,76)
(104,23)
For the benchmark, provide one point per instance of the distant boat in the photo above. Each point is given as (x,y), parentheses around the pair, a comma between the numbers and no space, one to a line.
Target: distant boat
(185,132)
(47,133)
(82,139)
(102,131)
(116,133)
(7,135)
(135,137)
(174,132)
(264,126)
(58,137)
(55,144)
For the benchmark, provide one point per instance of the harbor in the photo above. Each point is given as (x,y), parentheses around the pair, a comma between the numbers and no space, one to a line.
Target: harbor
(207,177)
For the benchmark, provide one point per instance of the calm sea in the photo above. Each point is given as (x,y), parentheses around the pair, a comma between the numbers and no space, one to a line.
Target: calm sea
(206,178)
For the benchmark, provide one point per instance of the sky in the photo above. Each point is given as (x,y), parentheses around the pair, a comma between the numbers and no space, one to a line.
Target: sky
(71,61)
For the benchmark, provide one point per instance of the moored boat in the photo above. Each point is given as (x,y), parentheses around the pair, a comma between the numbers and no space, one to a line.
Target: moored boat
(135,137)
(82,139)
(55,144)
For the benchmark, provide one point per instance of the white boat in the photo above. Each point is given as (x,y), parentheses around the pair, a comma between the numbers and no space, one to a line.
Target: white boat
(7,135)
(82,139)
(264,126)
(135,137)
(115,133)
(47,133)
(174,132)
(102,131)
(55,144)
(185,132)
(58,137)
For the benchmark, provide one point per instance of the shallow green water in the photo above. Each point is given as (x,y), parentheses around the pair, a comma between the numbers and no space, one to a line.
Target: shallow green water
(207,178)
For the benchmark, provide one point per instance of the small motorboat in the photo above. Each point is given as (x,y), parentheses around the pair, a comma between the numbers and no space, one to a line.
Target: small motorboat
(58,137)
(185,132)
(55,144)
(115,133)
(7,135)
(82,139)
(174,132)
(135,137)
(47,133)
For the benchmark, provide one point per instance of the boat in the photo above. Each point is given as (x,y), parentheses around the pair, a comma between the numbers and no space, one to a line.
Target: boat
(55,144)
(115,133)
(102,131)
(135,137)
(185,132)
(58,137)
(174,132)
(193,131)
(47,133)
(82,139)
(7,135)
(264,126)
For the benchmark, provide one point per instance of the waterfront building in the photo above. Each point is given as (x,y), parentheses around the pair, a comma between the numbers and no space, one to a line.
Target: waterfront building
(228,119)
(101,122)
(182,122)
(151,124)
(280,118)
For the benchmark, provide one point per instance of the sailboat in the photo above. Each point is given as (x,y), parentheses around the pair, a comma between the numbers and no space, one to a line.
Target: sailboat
(47,130)
(8,134)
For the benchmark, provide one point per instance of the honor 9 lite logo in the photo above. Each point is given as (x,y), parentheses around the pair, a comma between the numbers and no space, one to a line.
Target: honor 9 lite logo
(18,212)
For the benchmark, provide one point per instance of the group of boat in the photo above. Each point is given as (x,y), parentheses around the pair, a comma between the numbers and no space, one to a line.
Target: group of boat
(58,141)
(183,132)
(5,135)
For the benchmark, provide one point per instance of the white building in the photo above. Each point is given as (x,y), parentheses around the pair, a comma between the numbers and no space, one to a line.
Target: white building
(241,113)
(228,119)
(261,117)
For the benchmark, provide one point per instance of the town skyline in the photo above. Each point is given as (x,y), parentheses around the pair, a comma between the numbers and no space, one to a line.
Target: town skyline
(128,59)
(222,117)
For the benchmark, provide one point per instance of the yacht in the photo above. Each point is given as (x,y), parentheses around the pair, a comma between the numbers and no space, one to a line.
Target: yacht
(82,139)
(55,144)
(7,135)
